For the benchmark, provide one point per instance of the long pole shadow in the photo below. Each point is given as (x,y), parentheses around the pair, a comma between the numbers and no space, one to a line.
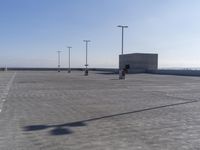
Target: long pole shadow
(61,129)
(130,112)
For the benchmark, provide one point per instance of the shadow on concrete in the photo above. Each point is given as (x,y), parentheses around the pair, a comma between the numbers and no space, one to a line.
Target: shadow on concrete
(64,129)
(35,127)
(115,79)
(60,131)
(107,73)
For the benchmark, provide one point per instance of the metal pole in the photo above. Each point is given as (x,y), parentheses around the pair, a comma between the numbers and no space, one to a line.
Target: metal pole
(122,36)
(121,70)
(86,54)
(122,40)
(69,69)
(59,60)
(86,65)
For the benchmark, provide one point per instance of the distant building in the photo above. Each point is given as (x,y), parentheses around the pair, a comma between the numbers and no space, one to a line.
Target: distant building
(138,62)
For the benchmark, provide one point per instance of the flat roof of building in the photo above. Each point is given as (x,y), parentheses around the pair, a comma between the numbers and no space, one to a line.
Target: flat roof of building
(51,110)
(141,54)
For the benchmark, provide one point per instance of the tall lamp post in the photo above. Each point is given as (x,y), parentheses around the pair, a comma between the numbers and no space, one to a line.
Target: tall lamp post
(121,26)
(122,70)
(86,64)
(59,60)
(69,69)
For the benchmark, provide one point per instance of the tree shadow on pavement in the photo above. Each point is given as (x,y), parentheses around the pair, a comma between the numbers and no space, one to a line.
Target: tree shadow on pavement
(64,129)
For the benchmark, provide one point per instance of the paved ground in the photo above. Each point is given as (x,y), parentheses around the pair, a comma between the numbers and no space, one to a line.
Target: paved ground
(61,111)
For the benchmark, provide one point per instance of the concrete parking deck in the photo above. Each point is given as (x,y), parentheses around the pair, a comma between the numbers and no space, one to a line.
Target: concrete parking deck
(61,111)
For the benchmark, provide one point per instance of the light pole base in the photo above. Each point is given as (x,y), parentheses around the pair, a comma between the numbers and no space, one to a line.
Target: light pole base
(121,74)
(86,72)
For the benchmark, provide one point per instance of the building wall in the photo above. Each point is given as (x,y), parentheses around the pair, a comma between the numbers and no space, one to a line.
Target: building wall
(139,62)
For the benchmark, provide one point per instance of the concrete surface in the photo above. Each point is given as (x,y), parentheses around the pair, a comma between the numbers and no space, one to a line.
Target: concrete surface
(61,111)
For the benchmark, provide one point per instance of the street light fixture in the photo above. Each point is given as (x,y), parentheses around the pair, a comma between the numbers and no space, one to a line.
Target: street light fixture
(121,26)
(59,60)
(69,69)
(86,64)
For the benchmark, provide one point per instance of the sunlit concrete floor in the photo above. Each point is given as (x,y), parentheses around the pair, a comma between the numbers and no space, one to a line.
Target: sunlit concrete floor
(60,111)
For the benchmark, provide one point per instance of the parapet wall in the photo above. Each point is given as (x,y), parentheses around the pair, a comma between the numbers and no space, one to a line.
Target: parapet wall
(115,70)
(176,72)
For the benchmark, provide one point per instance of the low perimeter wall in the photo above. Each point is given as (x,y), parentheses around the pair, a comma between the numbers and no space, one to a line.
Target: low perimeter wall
(115,70)
(176,72)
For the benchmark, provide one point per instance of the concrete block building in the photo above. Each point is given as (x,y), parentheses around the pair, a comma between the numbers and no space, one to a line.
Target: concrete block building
(138,62)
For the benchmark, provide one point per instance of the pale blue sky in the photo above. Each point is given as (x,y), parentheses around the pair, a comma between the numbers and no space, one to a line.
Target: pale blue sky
(31,31)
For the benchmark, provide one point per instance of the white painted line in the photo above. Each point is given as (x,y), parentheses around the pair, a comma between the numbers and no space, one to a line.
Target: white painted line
(6,91)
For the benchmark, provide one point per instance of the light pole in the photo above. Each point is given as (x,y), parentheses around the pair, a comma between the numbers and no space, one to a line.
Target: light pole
(122,36)
(121,70)
(59,60)
(69,69)
(86,64)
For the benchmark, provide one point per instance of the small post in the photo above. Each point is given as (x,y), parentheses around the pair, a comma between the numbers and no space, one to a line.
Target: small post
(122,74)
(58,60)
(69,68)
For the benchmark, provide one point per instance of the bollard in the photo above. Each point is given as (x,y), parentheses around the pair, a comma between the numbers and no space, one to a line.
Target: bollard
(86,72)
(122,74)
